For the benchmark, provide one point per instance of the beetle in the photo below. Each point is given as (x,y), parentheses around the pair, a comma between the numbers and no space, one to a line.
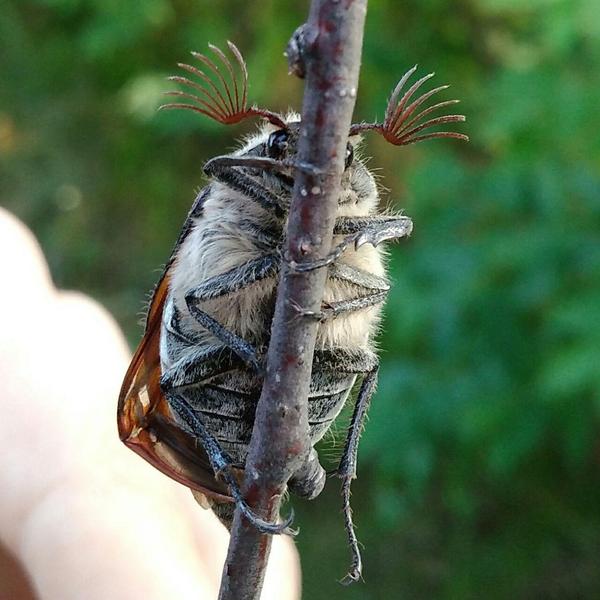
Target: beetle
(188,398)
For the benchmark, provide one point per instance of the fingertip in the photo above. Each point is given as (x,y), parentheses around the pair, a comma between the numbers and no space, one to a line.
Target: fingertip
(115,543)
(22,261)
(282,579)
(88,323)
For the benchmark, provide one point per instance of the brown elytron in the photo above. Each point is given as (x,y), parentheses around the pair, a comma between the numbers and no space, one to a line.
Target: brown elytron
(146,423)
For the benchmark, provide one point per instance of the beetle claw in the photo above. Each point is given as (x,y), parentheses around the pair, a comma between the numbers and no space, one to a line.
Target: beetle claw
(353,575)
(264,526)
(258,522)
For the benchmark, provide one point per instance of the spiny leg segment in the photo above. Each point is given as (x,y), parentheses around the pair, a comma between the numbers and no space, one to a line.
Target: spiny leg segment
(347,467)
(366,363)
(367,230)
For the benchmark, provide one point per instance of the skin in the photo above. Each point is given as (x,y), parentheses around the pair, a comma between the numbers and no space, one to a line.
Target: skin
(83,516)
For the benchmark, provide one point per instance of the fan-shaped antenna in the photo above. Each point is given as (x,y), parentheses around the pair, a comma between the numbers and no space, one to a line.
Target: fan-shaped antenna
(400,127)
(222,96)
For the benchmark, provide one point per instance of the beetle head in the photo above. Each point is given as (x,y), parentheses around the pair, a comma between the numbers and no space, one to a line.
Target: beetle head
(223,97)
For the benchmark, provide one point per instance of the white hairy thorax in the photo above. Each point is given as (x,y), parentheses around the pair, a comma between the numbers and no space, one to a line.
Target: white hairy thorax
(217,244)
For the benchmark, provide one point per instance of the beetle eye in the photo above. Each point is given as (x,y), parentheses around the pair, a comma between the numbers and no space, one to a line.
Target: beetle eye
(349,155)
(277,143)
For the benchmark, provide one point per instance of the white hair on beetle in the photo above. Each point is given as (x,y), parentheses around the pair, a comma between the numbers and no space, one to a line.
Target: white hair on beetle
(218,243)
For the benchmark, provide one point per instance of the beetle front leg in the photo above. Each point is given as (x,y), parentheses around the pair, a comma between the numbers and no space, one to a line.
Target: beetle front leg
(359,231)
(379,228)
(221,169)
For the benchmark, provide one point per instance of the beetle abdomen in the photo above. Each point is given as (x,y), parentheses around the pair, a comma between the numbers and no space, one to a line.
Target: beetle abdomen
(226,405)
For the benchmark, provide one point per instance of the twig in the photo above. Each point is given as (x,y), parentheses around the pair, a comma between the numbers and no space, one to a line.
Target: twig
(327,49)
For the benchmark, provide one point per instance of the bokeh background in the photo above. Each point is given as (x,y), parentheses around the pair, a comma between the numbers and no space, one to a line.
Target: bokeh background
(479,468)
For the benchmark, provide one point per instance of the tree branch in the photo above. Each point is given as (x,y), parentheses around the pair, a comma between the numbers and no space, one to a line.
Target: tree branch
(327,49)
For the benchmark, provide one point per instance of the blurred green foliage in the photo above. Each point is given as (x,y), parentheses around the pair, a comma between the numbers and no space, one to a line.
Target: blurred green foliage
(479,467)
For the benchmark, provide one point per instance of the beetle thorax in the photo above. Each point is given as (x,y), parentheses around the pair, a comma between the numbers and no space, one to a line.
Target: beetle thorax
(224,237)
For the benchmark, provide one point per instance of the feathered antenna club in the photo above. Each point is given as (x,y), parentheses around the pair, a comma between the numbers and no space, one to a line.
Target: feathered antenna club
(400,127)
(222,97)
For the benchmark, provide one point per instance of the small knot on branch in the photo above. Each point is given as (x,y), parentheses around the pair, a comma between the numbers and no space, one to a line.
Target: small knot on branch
(297,50)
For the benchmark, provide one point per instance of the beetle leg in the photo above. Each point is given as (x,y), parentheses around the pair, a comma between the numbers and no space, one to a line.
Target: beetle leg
(222,464)
(328,260)
(235,279)
(333,309)
(374,230)
(358,277)
(235,177)
(347,467)
(263,236)
(354,361)
(395,227)
(199,366)
(246,351)
(376,289)
(226,283)
(308,481)
(359,231)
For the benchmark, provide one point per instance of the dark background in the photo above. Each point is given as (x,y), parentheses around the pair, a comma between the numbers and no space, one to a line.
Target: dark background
(479,465)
